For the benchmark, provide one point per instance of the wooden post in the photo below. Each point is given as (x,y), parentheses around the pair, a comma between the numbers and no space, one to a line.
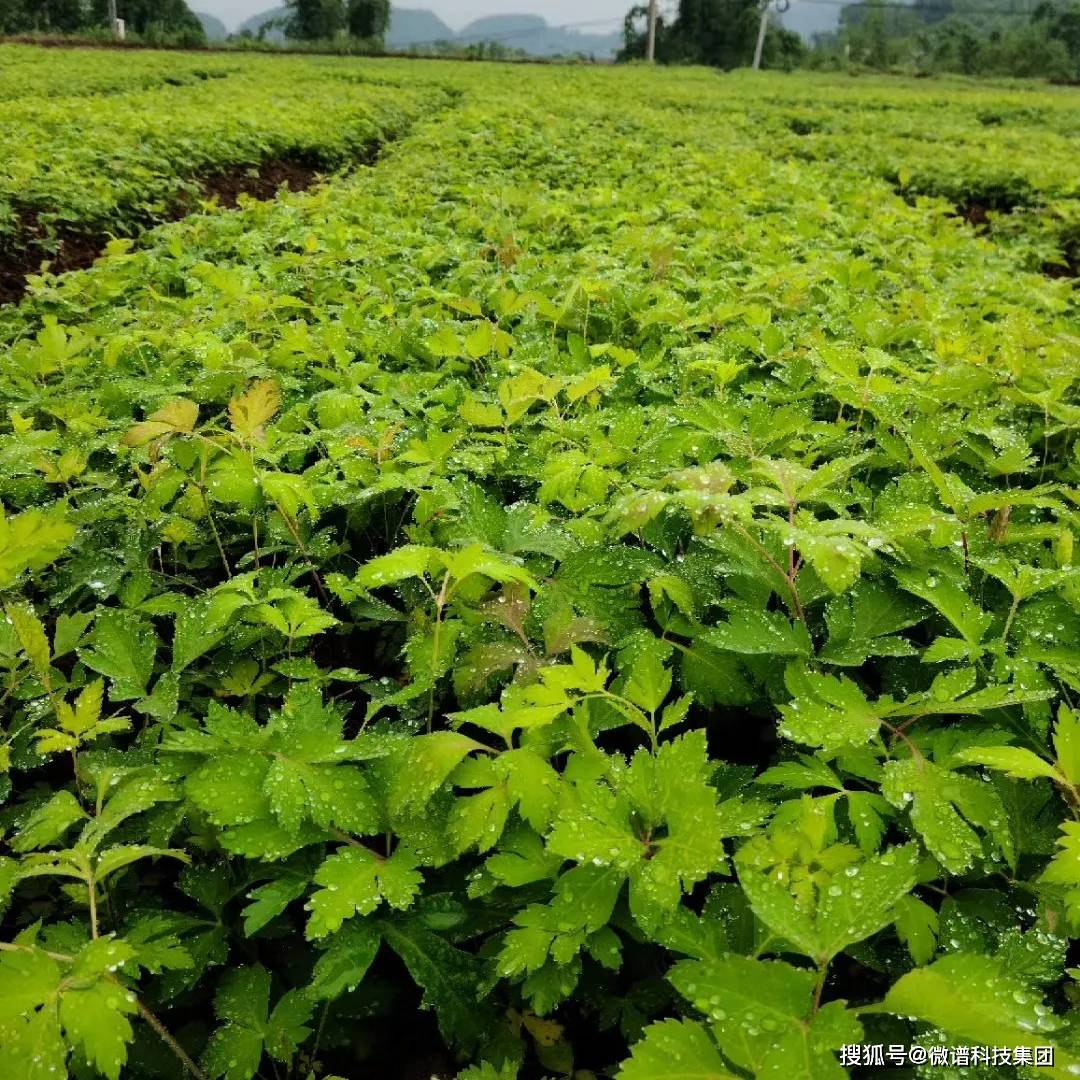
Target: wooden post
(650,40)
(762,26)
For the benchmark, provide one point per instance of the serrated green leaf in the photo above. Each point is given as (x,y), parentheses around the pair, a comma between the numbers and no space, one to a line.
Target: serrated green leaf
(827,711)
(48,823)
(342,967)
(122,647)
(917,926)
(1014,761)
(425,766)
(270,900)
(412,560)
(975,998)
(355,881)
(676,1050)
(286,1028)
(944,806)
(758,633)
(449,977)
(95,1021)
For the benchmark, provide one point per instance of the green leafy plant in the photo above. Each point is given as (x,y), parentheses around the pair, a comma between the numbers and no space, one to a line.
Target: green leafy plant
(593,595)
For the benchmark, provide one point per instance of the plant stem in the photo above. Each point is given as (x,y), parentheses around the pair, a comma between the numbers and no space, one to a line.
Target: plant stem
(91,889)
(163,1034)
(763,551)
(819,986)
(157,1026)
(1009,618)
(440,603)
(916,753)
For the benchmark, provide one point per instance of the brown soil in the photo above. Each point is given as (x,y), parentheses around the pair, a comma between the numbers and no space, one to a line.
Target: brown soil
(974,213)
(260,182)
(75,249)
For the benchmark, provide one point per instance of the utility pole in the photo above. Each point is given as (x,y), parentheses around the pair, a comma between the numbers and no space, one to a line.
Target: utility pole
(650,40)
(110,15)
(762,27)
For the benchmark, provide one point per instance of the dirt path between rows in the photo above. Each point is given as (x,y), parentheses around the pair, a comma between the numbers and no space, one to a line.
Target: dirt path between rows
(71,248)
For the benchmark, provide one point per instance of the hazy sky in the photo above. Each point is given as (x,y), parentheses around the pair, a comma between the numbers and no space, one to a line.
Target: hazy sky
(456,12)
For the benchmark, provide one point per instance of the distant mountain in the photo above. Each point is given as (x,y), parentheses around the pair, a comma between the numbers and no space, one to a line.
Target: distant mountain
(419,27)
(494,27)
(533,34)
(212,26)
(415,26)
(256,22)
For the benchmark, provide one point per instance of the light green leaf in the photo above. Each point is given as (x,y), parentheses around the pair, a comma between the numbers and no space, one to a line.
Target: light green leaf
(837,560)
(95,1020)
(649,682)
(917,927)
(1067,743)
(425,766)
(355,881)
(116,858)
(949,599)
(31,1046)
(762,1015)
(861,899)
(1014,761)
(476,559)
(28,979)
(31,635)
(826,711)
(229,788)
(30,541)
(1064,869)
(974,998)
(409,561)
(674,1050)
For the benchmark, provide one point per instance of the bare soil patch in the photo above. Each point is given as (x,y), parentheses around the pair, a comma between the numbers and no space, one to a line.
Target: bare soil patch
(70,248)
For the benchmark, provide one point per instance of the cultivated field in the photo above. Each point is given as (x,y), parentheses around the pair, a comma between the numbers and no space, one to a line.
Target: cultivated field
(588,588)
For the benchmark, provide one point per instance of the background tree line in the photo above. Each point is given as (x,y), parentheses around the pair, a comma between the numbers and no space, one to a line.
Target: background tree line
(147,18)
(971,37)
(719,33)
(308,20)
(321,20)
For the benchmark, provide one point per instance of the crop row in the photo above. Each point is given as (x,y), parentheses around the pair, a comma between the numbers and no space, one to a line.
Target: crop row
(604,577)
(113,152)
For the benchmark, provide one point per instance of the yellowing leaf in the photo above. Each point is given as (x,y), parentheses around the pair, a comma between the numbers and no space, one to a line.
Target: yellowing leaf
(30,541)
(254,408)
(545,1032)
(31,635)
(176,418)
